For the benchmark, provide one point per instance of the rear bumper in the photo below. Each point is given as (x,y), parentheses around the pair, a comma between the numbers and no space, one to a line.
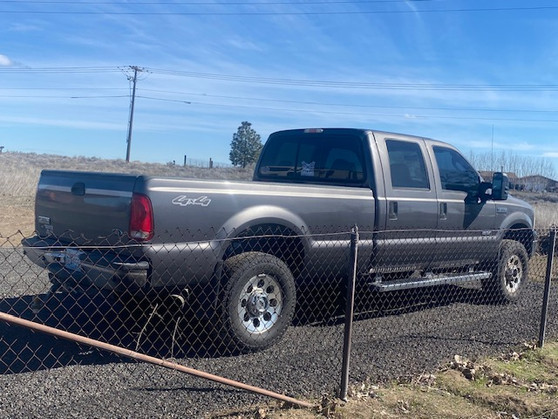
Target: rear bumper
(100,267)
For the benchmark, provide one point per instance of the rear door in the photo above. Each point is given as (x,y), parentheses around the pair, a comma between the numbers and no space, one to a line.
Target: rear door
(408,240)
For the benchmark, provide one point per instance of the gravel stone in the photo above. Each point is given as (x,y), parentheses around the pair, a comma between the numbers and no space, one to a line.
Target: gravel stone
(394,336)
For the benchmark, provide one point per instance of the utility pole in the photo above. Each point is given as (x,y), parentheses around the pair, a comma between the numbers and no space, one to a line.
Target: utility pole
(133,79)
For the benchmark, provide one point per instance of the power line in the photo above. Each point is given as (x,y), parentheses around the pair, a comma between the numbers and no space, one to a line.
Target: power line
(232,3)
(304,83)
(361,85)
(287,13)
(58,70)
(60,97)
(438,108)
(519,87)
(404,116)
(61,88)
(165,100)
(297,102)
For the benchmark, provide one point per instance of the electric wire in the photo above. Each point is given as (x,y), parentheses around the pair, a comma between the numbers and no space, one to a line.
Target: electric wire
(284,13)
(520,87)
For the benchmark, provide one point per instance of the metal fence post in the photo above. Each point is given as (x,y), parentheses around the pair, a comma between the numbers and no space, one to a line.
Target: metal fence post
(349,310)
(548,278)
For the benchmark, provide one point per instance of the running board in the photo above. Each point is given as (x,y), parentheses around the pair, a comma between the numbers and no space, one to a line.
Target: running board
(428,281)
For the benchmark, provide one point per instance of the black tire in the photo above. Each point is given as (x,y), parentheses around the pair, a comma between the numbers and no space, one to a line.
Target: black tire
(258,300)
(510,274)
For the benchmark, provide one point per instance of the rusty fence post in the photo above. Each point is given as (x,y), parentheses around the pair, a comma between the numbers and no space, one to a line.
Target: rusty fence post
(548,279)
(349,311)
(148,359)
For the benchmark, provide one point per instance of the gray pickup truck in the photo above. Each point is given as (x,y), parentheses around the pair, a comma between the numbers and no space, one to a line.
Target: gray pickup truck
(425,215)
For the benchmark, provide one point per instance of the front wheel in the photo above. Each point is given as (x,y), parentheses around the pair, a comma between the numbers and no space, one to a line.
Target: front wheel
(259,300)
(511,273)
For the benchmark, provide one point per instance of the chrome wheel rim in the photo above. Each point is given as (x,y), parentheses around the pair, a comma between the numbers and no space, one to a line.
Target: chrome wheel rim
(513,273)
(260,304)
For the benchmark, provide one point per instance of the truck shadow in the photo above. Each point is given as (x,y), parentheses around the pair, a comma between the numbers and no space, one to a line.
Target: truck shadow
(23,350)
(327,304)
(162,330)
(157,329)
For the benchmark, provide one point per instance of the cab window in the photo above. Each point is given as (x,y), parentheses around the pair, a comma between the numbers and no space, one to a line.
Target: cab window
(406,164)
(314,158)
(456,174)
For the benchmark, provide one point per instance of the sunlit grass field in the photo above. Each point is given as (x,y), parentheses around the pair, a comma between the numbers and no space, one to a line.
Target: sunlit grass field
(19,174)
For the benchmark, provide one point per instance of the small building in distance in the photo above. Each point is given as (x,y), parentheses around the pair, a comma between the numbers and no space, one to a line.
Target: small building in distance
(533,183)
(538,183)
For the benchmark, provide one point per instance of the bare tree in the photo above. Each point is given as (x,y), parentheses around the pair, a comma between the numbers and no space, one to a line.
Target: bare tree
(512,162)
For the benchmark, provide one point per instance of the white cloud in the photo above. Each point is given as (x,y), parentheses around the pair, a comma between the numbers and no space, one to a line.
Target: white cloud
(5,61)
(552,154)
(243,44)
(64,123)
(23,27)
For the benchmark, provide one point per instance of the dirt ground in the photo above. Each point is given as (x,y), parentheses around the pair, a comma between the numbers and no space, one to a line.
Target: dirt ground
(16,216)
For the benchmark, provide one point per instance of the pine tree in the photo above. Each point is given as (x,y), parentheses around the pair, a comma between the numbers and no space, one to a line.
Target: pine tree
(245,145)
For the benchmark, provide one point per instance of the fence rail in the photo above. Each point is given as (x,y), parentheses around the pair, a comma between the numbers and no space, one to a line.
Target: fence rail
(296,315)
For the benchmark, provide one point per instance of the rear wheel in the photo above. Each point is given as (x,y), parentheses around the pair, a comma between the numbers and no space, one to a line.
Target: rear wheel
(511,273)
(258,301)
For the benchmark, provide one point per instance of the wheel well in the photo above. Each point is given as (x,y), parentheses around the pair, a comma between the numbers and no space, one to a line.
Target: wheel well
(522,234)
(274,239)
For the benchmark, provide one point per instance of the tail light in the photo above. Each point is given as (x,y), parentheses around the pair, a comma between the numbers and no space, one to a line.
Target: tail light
(141,218)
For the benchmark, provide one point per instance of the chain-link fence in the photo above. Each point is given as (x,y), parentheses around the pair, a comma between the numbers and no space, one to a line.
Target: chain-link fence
(268,310)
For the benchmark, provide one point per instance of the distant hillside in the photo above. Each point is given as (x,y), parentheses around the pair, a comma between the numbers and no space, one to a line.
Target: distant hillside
(19,172)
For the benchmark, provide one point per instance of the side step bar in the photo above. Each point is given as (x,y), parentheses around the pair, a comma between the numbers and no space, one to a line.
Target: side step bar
(428,281)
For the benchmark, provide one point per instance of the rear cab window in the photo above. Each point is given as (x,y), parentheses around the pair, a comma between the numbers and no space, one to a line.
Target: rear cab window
(407,166)
(322,157)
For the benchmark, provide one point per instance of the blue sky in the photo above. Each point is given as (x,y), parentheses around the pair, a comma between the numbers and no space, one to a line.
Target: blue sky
(474,73)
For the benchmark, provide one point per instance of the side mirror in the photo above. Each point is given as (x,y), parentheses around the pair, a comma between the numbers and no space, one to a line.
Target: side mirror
(500,186)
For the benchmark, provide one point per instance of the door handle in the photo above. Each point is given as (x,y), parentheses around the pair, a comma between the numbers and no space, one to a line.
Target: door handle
(443,211)
(393,209)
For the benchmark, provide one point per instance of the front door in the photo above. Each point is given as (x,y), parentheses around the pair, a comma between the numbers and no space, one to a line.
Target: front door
(466,223)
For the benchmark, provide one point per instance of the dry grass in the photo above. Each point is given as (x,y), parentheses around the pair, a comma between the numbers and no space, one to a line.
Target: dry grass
(19,175)
(19,172)
(513,385)
(546,214)
(545,205)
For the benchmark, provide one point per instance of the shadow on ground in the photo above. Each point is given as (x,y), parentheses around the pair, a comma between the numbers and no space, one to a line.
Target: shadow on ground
(161,328)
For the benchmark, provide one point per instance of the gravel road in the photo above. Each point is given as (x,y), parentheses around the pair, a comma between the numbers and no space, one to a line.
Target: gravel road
(407,333)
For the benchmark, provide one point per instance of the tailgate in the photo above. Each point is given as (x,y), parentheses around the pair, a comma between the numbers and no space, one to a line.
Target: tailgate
(83,205)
